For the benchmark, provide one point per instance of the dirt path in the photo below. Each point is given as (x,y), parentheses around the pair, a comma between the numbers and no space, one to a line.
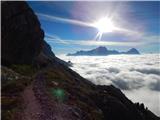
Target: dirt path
(39,106)
(32,108)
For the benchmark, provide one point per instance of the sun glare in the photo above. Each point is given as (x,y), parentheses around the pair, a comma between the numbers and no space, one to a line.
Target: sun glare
(104,25)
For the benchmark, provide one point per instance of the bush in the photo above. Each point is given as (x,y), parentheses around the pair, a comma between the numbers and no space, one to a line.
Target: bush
(24,69)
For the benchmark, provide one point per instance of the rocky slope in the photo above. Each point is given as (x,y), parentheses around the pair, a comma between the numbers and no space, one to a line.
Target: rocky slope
(103,51)
(32,74)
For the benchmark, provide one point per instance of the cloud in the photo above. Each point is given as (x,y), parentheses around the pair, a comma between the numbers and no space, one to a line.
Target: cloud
(132,43)
(155,85)
(99,43)
(113,70)
(148,70)
(89,42)
(134,74)
(54,38)
(124,71)
(128,80)
(63,20)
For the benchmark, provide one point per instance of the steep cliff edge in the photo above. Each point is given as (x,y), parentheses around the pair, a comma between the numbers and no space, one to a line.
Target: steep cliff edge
(54,92)
(22,36)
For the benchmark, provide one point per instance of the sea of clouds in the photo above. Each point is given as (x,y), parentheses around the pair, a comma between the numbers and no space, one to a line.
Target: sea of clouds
(138,76)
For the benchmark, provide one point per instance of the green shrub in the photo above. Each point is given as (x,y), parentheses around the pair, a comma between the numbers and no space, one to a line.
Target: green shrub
(24,69)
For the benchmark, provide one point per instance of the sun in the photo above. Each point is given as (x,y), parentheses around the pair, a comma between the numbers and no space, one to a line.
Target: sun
(104,25)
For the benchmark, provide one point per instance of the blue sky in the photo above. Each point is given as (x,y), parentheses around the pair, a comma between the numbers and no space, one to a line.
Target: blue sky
(66,25)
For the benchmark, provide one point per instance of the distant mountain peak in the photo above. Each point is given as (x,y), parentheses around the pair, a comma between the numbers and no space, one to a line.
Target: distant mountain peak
(101,47)
(133,51)
(102,50)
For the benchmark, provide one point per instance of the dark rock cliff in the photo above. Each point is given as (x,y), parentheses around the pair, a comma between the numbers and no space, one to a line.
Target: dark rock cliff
(22,36)
(46,56)
(22,43)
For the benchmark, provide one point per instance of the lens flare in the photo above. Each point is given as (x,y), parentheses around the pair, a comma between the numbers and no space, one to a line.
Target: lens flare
(104,25)
(59,94)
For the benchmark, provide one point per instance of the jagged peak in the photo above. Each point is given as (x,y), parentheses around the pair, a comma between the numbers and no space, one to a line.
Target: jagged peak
(101,48)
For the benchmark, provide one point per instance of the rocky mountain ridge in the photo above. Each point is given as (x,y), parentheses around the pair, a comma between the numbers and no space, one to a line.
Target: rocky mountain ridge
(103,51)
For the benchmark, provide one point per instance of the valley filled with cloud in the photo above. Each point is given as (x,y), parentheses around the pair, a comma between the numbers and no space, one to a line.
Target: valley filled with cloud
(138,76)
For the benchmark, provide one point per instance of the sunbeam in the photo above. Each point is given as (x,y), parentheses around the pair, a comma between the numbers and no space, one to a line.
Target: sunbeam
(64,20)
(104,25)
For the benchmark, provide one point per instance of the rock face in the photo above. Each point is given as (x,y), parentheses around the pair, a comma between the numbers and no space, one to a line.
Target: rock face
(22,36)
(103,51)
(46,56)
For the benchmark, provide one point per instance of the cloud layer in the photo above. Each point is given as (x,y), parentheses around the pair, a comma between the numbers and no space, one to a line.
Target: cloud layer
(137,75)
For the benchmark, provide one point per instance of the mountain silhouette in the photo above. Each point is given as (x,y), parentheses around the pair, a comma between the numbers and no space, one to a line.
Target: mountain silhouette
(102,51)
